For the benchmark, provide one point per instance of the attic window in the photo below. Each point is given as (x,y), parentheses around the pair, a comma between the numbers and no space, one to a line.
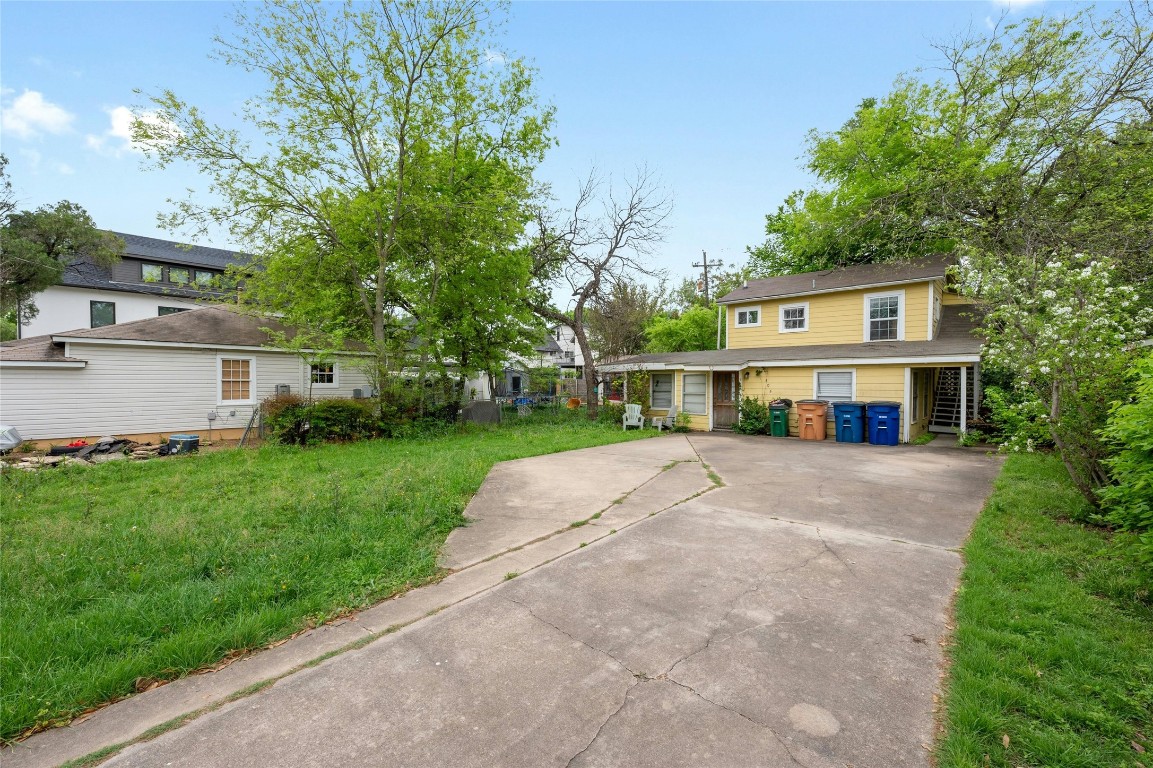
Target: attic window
(203,277)
(748,318)
(178,275)
(151,273)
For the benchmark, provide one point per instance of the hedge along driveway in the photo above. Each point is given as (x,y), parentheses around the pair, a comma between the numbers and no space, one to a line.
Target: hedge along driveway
(118,575)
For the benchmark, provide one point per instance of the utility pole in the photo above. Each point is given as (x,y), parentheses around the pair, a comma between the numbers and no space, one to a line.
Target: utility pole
(705,264)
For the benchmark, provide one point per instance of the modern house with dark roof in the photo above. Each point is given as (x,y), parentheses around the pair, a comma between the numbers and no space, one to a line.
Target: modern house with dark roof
(879,332)
(153,278)
(200,371)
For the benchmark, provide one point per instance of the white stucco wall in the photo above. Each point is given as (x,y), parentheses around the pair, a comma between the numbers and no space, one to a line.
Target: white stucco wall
(142,390)
(63,308)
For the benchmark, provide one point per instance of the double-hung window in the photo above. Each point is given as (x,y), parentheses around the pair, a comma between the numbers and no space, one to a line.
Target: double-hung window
(748,317)
(662,391)
(794,317)
(885,316)
(694,395)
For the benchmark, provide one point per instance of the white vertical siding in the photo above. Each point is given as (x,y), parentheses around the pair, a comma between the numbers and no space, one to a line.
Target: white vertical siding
(140,390)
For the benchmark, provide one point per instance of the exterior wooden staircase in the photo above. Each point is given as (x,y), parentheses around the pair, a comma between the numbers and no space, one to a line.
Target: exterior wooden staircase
(946,416)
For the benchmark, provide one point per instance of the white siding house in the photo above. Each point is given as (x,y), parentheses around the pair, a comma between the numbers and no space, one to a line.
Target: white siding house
(158,376)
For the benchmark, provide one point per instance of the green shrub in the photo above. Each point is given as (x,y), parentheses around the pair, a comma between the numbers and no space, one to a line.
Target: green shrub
(683,424)
(1020,421)
(754,418)
(1128,502)
(611,413)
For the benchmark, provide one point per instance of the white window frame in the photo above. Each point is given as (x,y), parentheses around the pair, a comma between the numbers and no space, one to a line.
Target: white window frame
(652,390)
(335,376)
(220,380)
(684,398)
(751,308)
(795,305)
(900,294)
(852,387)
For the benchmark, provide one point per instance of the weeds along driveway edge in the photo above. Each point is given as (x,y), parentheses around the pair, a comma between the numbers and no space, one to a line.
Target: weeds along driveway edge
(1051,661)
(117,576)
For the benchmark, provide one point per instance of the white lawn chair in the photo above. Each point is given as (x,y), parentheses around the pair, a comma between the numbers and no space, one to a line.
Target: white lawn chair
(633,416)
(668,421)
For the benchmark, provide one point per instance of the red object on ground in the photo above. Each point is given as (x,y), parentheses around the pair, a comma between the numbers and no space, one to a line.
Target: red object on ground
(77,444)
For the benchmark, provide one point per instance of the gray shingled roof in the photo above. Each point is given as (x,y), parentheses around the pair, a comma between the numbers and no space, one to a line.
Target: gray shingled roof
(178,253)
(35,349)
(956,337)
(840,279)
(83,274)
(214,325)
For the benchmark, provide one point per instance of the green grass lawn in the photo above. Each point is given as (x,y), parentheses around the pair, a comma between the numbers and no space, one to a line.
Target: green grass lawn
(116,575)
(1054,636)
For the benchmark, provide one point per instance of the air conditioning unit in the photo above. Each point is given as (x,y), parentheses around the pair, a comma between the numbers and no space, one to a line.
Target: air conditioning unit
(283,389)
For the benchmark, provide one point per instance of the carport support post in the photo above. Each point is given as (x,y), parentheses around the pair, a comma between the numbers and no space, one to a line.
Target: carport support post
(964,400)
(976,389)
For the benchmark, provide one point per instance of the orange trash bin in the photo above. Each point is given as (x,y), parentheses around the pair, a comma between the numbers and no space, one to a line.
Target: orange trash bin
(812,419)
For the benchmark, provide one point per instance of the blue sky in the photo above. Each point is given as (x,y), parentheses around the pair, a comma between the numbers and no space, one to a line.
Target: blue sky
(715,98)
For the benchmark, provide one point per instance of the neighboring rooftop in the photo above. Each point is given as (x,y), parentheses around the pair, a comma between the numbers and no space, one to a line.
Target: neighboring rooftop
(842,278)
(34,349)
(956,337)
(136,246)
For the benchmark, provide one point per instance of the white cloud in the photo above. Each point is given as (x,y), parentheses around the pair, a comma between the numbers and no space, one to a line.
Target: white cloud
(494,58)
(30,114)
(64,169)
(118,138)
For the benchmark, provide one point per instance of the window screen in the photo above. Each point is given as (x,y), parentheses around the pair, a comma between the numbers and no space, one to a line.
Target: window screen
(835,386)
(695,393)
(662,395)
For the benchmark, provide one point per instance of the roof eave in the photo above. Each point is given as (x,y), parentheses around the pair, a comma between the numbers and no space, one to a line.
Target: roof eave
(842,289)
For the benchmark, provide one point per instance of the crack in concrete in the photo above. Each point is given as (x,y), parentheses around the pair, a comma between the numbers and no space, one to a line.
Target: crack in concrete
(736,712)
(833,552)
(624,702)
(638,677)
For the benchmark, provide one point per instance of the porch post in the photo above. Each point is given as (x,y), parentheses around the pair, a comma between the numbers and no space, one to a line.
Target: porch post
(908,401)
(964,400)
(626,395)
(976,389)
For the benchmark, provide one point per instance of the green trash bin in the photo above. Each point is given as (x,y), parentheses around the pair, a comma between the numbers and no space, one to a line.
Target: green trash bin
(779,417)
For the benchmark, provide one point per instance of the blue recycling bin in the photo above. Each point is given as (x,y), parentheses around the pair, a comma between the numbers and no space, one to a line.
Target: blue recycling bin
(884,423)
(849,421)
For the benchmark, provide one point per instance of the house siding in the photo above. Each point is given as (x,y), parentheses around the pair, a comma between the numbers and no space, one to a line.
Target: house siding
(143,390)
(64,308)
(834,318)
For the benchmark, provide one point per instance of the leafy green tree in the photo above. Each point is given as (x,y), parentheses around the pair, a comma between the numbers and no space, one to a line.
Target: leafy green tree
(1038,139)
(389,187)
(37,246)
(689,331)
(686,295)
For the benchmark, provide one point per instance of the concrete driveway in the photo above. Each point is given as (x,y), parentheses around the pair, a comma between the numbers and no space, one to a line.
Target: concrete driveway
(791,617)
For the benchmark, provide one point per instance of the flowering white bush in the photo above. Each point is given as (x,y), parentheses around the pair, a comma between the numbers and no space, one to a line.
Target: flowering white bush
(1064,326)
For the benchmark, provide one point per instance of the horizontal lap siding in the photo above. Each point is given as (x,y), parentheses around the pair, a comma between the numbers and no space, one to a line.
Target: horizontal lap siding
(834,318)
(873,382)
(138,390)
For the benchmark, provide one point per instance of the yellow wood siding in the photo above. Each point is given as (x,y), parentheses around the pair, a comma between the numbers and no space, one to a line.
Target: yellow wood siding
(938,290)
(872,382)
(834,318)
(955,298)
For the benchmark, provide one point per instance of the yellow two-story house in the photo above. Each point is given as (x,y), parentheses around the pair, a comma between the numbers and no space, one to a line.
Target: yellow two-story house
(876,332)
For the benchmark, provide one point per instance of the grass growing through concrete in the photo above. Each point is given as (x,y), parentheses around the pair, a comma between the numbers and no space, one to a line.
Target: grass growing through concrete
(116,576)
(1052,663)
